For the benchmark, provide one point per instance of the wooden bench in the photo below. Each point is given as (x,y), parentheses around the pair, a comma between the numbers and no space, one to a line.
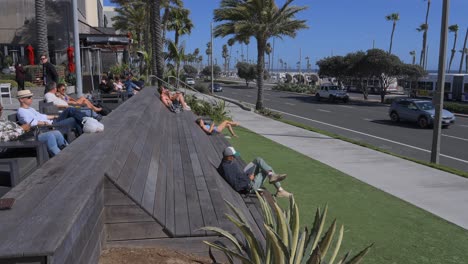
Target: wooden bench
(163,161)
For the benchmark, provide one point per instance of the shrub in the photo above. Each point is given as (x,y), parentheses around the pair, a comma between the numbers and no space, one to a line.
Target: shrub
(297,88)
(7,77)
(286,241)
(216,111)
(202,88)
(12,82)
(29,85)
(269,113)
(118,69)
(456,107)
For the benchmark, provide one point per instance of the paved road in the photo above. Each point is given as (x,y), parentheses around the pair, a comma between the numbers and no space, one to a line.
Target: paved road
(367,122)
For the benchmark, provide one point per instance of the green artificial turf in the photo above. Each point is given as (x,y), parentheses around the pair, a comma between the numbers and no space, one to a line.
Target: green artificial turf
(401,232)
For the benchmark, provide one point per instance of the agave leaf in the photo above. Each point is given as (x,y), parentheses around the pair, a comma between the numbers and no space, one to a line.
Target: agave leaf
(238,213)
(225,234)
(279,250)
(327,239)
(267,214)
(256,251)
(300,248)
(338,245)
(320,229)
(344,258)
(358,258)
(316,257)
(212,257)
(294,224)
(315,234)
(243,259)
(282,228)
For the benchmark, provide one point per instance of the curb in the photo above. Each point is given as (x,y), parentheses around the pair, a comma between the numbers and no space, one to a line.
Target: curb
(242,106)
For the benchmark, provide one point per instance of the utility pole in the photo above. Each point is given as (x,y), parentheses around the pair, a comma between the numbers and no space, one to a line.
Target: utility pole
(439,96)
(463,52)
(211,60)
(76,43)
(300,60)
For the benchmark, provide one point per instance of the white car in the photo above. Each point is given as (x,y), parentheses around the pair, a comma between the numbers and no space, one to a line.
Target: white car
(332,93)
(190,81)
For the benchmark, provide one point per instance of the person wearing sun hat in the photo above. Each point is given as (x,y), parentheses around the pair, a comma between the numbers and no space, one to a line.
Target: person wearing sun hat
(250,178)
(69,118)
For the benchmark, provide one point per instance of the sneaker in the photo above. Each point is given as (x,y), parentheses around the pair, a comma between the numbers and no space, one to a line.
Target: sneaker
(98,117)
(187,108)
(277,177)
(283,194)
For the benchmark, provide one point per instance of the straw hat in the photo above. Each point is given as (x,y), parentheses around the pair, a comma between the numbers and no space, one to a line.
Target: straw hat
(24,93)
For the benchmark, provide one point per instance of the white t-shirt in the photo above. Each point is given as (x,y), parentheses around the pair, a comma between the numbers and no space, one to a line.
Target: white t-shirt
(31,116)
(52,98)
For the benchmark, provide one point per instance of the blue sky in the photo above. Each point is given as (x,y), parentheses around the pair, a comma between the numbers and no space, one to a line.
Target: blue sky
(341,26)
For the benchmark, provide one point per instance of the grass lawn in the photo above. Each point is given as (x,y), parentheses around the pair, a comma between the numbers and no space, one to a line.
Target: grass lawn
(401,232)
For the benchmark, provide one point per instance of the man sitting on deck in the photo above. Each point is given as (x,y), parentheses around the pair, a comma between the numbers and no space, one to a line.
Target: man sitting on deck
(169,98)
(250,178)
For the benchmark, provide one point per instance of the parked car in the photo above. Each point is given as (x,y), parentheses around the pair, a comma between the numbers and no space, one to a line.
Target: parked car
(190,81)
(420,111)
(332,93)
(217,87)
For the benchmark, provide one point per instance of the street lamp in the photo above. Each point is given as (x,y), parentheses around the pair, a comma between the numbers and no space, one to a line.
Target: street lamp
(438,98)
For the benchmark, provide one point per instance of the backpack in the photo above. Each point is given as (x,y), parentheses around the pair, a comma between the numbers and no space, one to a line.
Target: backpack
(176,107)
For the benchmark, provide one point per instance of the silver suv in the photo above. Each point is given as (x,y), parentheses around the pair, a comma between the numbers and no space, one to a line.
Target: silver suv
(332,92)
(420,111)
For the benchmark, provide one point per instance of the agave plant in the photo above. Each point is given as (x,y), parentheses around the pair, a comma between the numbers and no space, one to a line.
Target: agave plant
(286,241)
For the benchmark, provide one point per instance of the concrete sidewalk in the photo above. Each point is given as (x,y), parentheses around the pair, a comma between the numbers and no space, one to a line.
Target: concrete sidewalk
(438,192)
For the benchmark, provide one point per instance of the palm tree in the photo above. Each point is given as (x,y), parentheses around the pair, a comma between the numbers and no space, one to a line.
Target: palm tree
(41,28)
(268,50)
(413,54)
(230,42)
(225,55)
(157,43)
(176,54)
(180,23)
(208,52)
(260,19)
(463,52)
(424,28)
(454,30)
(131,17)
(394,17)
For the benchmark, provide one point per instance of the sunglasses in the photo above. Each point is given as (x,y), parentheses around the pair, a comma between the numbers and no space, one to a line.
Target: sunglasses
(29,97)
(43,58)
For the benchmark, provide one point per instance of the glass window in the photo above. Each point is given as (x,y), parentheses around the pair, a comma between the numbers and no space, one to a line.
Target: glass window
(465,89)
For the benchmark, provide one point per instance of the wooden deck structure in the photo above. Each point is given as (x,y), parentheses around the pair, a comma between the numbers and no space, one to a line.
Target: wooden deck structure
(151,171)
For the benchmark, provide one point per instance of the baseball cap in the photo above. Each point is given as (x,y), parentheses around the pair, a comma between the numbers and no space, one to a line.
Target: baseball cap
(230,151)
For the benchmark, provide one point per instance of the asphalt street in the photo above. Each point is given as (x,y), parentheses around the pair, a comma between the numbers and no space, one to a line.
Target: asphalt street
(363,121)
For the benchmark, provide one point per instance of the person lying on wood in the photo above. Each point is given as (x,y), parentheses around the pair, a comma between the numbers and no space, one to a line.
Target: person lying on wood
(213,128)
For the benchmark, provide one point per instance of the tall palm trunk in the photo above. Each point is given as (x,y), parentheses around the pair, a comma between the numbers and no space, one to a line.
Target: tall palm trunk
(391,37)
(41,27)
(261,45)
(157,41)
(452,55)
(229,59)
(463,52)
(422,60)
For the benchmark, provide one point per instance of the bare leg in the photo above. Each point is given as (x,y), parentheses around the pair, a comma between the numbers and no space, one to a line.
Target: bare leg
(181,99)
(84,101)
(229,125)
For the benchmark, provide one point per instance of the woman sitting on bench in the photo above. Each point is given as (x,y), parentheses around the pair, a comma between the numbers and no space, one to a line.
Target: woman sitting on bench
(71,101)
(213,128)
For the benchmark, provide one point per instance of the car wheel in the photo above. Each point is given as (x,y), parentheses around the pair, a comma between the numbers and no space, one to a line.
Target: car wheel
(331,98)
(317,96)
(395,117)
(422,122)
(345,100)
(445,126)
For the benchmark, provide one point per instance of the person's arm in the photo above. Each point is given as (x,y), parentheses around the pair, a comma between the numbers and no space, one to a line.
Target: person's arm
(211,128)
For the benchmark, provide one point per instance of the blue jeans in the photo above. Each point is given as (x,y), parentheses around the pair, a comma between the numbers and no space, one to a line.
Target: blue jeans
(261,173)
(54,141)
(72,118)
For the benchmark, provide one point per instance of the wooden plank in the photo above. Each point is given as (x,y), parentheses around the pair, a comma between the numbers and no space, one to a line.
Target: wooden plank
(170,221)
(160,195)
(182,224)
(116,197)
(148,199)
(141,173)
(131,231)
(193,203)
(125,214)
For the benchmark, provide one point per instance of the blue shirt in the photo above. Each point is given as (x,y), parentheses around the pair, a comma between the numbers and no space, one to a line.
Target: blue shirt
(130,86)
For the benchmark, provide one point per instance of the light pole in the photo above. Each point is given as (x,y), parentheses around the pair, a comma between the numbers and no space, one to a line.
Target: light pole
(76,43)
(438,98)
(211,58)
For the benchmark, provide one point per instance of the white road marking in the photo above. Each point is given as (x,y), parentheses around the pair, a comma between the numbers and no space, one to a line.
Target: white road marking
(368,119)
(323,110)
(463,126)
(346,106)
(365,134)
(464,139)
(248,95)
(289,104)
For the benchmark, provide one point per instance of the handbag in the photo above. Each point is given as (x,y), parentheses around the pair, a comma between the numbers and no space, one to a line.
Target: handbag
(91,125)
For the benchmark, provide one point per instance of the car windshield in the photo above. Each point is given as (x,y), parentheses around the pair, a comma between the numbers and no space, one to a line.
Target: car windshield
(333,88)
(425,105)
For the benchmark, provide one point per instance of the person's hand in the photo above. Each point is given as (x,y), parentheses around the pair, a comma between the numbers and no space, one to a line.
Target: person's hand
(26,127)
